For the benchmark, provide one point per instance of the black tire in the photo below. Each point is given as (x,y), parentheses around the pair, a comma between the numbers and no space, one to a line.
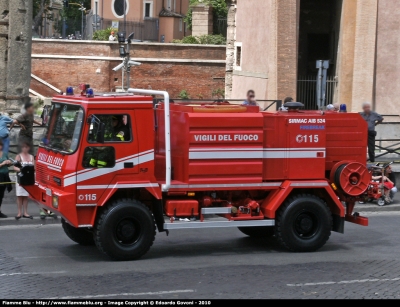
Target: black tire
(125,230)
(82,236)
(258,231)
(303,223)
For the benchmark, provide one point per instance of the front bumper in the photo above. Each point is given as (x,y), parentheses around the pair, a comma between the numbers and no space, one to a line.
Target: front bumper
(66,206)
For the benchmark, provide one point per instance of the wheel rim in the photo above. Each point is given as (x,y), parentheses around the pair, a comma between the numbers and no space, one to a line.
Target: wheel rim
(306,224)
(127,231)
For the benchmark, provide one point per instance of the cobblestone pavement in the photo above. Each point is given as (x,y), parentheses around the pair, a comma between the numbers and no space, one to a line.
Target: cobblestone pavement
(41,262)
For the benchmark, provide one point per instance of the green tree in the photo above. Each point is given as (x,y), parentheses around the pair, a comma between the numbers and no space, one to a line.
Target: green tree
(41,8)
(220,10)
(73,15)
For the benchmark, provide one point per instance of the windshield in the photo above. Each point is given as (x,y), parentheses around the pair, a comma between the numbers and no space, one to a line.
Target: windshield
(64,126)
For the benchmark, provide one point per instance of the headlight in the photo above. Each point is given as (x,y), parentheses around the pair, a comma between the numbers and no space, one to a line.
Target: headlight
(55,201)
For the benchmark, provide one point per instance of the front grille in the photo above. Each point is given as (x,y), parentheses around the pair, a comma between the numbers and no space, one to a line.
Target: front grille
(44,175)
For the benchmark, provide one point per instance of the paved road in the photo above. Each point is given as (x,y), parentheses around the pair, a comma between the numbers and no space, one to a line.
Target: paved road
(41,262)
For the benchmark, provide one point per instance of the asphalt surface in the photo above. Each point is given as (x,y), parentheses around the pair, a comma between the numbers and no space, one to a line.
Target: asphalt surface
(39,261)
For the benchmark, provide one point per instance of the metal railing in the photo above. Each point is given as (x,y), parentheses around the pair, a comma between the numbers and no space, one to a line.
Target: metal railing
(146,30)
(221,26)
(265,104)
(388,145)
(307,91)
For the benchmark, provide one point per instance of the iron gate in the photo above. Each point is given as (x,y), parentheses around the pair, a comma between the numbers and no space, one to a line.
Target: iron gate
(307,91)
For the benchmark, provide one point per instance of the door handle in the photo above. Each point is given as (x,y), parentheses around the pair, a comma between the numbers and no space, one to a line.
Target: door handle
(128,165)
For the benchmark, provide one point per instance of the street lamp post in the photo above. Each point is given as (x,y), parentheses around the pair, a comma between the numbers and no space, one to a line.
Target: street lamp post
(125,54)
(64,28)
(82,20)
(82,9)
(125,16)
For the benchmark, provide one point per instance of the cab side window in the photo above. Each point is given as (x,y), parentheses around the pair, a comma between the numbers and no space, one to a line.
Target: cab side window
(117,128)
(99,157)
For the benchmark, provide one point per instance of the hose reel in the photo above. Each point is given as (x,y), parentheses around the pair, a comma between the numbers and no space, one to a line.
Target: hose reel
(352,178)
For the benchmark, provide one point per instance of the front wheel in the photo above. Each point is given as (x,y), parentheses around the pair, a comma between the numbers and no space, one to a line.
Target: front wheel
(125,230)
(258,231)
(303,223)
(82,236)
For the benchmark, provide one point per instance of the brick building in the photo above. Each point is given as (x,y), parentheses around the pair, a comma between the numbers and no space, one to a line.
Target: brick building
(156,20)
(275,51)
(198,69)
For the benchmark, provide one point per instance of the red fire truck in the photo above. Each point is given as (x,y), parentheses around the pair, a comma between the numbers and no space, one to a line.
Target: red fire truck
(117,167)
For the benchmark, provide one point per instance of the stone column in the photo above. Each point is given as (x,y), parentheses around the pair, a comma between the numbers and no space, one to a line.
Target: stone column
(345,59)
(230,47)
(286,26)
(19,54)
(202,20)
(3,50)
(364,53)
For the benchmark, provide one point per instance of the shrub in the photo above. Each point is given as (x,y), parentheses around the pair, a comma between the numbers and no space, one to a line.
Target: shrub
(184,94)
(202,40)
(219,93)
(103,35)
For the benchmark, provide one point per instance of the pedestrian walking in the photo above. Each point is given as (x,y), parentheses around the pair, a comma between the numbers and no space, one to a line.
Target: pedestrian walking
(5,182)
(26,122)
(251,99)
(24,158)
(4,132)
(373,119)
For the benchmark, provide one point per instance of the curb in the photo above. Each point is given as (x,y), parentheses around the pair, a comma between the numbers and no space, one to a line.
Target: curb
(11,221)
(376,208)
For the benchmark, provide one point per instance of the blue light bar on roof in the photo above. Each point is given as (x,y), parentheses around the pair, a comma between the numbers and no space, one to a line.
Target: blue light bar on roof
(89,92)
(69,91)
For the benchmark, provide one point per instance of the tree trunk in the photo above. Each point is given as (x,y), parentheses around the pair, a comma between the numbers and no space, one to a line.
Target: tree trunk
(37,20)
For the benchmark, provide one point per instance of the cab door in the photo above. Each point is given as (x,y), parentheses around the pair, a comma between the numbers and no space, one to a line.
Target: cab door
(109,154)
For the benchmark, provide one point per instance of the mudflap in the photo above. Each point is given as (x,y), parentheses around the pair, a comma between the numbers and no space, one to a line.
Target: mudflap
(338,223)
(158,213)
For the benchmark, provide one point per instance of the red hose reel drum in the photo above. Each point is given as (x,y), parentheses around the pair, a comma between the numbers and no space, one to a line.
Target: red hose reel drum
(352,178)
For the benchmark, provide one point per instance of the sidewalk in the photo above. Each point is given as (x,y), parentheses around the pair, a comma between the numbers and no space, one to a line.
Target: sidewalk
(9,208)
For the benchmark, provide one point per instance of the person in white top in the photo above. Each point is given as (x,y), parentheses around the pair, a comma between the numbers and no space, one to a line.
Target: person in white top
(22,195)
(111,38)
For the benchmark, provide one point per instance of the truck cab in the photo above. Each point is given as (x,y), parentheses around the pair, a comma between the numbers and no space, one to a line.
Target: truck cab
(91,149)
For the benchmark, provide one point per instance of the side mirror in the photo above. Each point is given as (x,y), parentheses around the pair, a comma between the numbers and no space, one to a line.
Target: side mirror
(100,133)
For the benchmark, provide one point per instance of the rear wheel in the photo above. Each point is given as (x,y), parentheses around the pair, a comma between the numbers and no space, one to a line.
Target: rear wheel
(258,231)
(82,236)
(303,223)
(125,230)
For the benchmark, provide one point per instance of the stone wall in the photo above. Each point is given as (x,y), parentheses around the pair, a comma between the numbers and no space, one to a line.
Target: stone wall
(199,69)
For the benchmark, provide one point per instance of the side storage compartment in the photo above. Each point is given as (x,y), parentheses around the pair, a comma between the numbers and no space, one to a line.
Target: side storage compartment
(182,208)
